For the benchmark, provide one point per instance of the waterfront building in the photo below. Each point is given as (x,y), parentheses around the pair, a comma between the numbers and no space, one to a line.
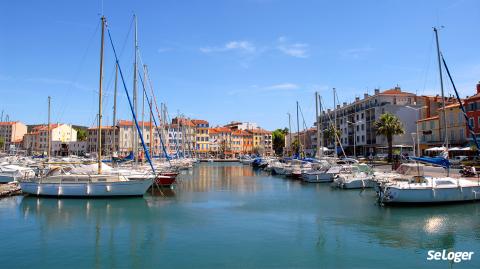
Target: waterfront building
(356,120)
(236,142)
(12,132)
(222,138)
(246,142)
(202,138)
(123,143)
(472,108)
(186,132)
(262,141)
(61,135)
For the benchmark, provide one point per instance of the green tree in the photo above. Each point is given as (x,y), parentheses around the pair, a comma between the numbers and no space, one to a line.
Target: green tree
(81,134)
(329,133)
(278,140)
(296,146)
(389,125)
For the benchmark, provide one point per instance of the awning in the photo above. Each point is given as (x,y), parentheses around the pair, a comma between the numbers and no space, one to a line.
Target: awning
(436,149)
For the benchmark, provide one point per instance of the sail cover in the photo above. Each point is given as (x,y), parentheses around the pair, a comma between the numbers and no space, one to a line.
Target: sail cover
(440,161)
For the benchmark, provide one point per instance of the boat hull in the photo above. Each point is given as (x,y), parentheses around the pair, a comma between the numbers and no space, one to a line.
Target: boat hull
(93,189)
(318,178)
(392,195)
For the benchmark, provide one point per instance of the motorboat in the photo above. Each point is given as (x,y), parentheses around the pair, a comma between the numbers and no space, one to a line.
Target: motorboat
(358,176)
(11,173)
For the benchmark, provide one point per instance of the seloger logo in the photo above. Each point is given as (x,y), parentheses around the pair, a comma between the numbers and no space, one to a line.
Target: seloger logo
(455,256)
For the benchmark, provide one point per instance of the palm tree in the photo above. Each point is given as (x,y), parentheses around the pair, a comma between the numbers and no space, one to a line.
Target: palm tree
(389,125)
(330,133)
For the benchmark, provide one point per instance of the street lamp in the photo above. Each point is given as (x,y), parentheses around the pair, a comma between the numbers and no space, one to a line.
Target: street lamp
(419,110)
(355,124)
(413,138)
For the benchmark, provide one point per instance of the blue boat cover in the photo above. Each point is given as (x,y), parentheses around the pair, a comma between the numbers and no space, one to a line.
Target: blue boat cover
(440,161)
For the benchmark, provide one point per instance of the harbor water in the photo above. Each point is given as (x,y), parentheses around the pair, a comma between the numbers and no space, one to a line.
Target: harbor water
(227,215)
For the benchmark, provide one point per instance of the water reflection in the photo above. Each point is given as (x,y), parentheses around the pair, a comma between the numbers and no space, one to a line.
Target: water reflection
(418,227)
(105,225)
(219,177)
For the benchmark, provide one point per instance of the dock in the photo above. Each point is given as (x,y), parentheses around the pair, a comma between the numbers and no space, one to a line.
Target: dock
(9,190)
(220,160)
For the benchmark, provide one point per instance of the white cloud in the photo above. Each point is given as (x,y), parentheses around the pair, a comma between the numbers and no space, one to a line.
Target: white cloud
(282,86)
(356,53)
(240,46)
(298,50)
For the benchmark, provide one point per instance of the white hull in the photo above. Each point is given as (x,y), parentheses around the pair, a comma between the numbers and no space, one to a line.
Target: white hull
(93,189)
(428,194)
(355,183)
(317,177)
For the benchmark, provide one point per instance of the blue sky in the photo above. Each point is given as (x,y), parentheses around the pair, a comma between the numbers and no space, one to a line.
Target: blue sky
(229,60)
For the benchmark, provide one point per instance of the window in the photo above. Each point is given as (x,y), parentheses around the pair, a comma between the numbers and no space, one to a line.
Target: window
(358,138)
(424,125)
(470,121)
(362,116)
(460,118)
(461,135)
(432,124)
(363,138)
(357,117)
(363,127)
(358,128)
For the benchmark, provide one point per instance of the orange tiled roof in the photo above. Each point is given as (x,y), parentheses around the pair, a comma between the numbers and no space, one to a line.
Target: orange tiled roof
(123,123)
(196,122)
(223,129)
(395,91)
(431,118)
(4,123)
(451,106)
(212,131)
(45,127)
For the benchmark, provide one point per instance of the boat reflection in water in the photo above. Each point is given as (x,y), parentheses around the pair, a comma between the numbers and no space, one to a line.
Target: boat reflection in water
(105,232)
(220,177)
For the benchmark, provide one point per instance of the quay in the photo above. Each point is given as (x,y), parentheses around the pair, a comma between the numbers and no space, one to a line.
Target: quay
(220,160)
(9,190)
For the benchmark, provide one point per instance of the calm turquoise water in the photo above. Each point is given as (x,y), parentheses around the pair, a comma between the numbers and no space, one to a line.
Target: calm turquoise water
(229,216)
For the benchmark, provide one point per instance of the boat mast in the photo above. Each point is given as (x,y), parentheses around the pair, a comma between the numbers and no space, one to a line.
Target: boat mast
(49,147)
(298,132)
(290,133)
(318,153)
(135,135)
(115,109)
(441,88)
(143,102)
(99,130)
(321,124)
(335,122)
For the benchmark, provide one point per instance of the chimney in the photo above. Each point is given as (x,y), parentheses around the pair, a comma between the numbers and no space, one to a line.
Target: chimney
(344,103)
(338,106)
(357,99)
(478,87)
(365,95)
(377,91)
(329,110)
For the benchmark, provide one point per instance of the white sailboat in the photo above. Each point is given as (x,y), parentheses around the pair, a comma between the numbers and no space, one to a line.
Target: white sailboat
(62,182)
(424,189)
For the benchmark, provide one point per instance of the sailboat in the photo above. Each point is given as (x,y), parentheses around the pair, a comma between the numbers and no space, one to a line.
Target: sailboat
(423,189)
(65,182)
